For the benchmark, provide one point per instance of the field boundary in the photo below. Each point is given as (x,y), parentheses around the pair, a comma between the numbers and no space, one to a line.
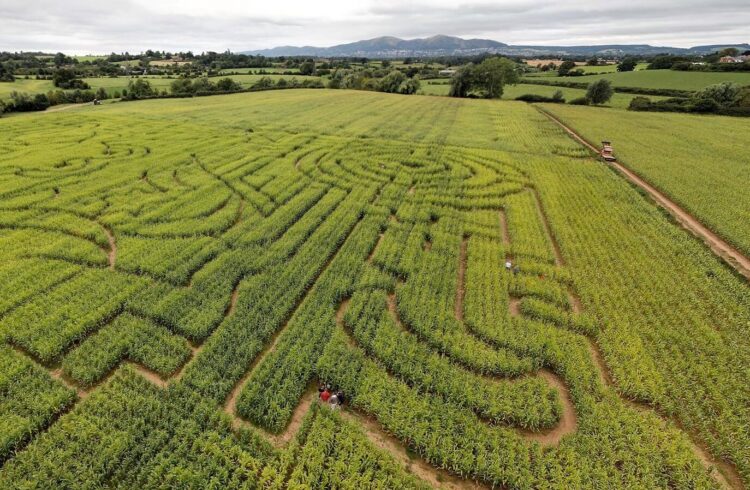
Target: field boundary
(729,254)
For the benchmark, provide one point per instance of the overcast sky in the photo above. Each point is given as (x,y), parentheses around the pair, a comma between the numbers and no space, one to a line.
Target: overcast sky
(103,26)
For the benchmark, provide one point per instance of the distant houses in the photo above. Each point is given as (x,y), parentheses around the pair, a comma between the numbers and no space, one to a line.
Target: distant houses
(447,72)
(734,59)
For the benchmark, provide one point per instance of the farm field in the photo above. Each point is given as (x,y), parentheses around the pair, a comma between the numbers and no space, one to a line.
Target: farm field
(30,86)
(664,79)
(699,162)
(177,275)
(117,84)
(510,92)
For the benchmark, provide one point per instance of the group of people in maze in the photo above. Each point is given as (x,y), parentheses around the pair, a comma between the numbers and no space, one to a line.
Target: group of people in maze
(327,394)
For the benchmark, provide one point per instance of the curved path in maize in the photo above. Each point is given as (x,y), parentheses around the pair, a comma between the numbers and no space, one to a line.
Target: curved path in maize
(732,256)
(723,473)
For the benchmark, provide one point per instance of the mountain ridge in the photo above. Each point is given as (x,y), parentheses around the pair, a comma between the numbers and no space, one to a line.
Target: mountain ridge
(442,45)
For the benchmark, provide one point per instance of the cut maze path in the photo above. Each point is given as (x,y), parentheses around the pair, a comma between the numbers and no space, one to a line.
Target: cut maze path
(731,255)
(568,423)
(725,474)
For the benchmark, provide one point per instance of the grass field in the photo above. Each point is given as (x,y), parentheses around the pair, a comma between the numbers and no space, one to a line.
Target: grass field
(665,79)
(510,92)
(117,84)
(240,249)
(700,162)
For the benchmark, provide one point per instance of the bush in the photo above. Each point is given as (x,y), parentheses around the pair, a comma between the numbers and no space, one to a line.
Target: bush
(139,89)
(66,79)
(628,64)
(600,92)
(565,68)
(579,101)
(724,94)
(557,98)
(640,104)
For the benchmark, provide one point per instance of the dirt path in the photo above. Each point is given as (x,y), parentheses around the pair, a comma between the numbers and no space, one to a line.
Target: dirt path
(62,107)
(112,252)
(568,420)
(724,250)
(514,306)
(417,466)
(504,231)
(723,473)
(375,433)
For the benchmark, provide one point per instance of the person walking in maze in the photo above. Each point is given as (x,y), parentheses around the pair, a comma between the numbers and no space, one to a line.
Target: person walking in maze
(325,395)
(334,401)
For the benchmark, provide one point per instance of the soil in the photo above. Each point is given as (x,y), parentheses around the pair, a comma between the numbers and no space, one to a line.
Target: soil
(112,252)
(233,300)
(417,466)
(514,307)
(504,228)
(568,421)
(149,375)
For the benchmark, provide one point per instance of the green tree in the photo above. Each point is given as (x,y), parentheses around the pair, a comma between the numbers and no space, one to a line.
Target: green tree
(410,86)
(627,64)
(565,68)
(599,92)
(743,97)
(140,89)
(462,81)
(385,64)
(725,94)
(228,85)
(391,82)
(492,74)
(6,75)
(181,86)
(729,52)
(307,68)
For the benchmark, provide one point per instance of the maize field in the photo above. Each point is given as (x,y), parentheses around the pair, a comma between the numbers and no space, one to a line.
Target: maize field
(178,276)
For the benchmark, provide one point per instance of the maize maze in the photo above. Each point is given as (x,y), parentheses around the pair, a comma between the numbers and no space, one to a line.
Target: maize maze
(178,275)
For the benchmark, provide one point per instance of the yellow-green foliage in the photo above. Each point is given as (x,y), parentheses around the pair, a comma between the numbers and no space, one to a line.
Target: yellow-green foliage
(702,163)
(191,235)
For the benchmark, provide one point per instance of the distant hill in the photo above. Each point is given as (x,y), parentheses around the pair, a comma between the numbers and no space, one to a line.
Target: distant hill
(393,47)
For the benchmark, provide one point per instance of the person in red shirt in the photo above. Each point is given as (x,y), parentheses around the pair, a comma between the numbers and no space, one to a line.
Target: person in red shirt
(325,395)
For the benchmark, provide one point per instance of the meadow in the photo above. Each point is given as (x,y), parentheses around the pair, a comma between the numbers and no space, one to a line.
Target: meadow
(510,92)
(118,84)
(178,275)
(658,79)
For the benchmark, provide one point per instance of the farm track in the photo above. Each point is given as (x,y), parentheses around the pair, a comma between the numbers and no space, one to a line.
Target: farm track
(729,254)
(725,474)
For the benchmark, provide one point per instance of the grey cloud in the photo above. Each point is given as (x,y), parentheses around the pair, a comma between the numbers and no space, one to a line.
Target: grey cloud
(107,25)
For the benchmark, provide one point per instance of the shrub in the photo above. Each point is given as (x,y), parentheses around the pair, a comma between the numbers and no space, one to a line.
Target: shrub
(557,98)
(724,94)
(627,64)
(599,92)
(639,104)
(579,101)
